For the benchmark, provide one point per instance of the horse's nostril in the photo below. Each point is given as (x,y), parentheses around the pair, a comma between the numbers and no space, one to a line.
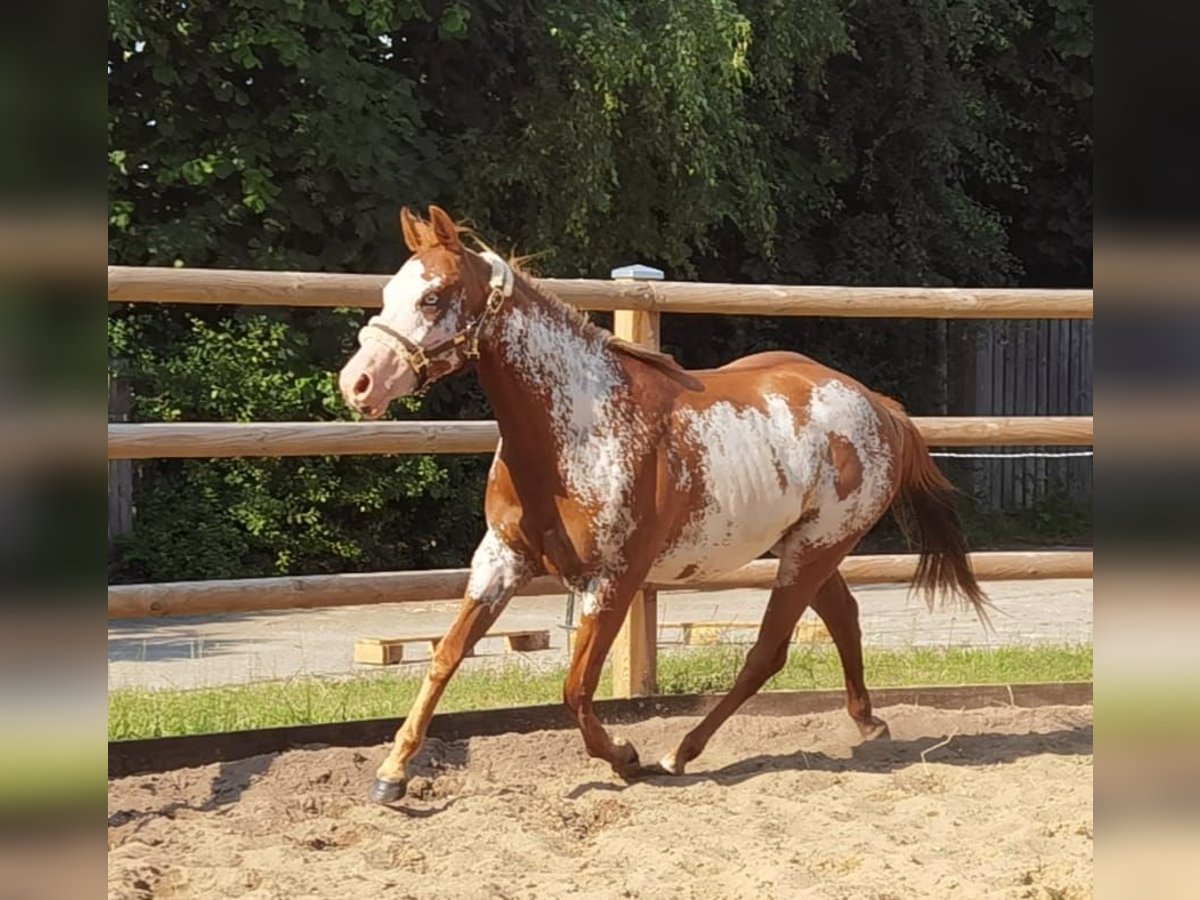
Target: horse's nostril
(363,385)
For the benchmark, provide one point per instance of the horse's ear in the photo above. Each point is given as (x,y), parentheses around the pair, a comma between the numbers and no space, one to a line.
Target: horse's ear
(444,228)
(411,227)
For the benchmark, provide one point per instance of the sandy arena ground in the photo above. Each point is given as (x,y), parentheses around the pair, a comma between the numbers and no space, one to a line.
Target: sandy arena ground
(776,808)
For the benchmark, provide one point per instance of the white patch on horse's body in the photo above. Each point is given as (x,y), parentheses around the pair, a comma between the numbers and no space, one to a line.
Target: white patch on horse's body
(840,410)
(746,510)
(589,597)
(497,458)
(598,429)
(763,471)
(496,570)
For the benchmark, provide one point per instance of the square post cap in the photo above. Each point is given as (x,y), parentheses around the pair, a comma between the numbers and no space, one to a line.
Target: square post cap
(637,272)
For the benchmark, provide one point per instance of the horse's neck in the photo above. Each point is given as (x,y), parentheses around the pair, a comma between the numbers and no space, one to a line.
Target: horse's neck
(546,373)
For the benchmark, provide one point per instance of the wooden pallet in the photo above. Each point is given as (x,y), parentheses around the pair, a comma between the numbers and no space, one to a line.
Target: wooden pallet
(692,633)
(389,651)
(698,633)
(809,632)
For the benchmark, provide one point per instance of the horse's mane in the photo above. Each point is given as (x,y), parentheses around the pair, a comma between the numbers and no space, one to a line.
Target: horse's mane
(662,362)
(424,233)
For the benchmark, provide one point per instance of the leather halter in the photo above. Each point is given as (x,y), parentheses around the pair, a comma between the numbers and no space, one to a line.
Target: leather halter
(422,358)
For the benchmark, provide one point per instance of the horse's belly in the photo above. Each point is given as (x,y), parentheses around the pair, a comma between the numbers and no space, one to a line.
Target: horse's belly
(754,482)
(695,561)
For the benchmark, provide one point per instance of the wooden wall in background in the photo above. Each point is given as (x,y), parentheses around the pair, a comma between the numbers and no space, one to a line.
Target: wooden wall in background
(1028,367)
(120,471)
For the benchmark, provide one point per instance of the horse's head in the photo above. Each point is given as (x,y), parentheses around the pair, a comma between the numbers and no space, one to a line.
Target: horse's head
(435,309)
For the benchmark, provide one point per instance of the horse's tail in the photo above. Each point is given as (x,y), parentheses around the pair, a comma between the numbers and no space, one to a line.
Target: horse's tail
(926,506)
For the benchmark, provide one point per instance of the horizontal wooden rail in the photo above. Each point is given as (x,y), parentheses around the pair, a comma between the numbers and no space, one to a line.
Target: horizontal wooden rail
(898,568)
(183,598)
(168,285)
(220,439)
(205,440)
(1006,431)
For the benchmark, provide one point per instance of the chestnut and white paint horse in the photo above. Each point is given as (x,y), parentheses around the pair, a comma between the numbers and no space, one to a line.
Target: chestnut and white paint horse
(617,467)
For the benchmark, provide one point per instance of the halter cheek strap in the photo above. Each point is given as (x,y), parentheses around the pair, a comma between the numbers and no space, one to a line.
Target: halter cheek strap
(421,359)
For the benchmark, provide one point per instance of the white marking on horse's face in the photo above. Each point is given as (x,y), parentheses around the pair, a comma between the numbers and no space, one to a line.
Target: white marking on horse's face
(411,307)
(496,571)
(376,374)
(403,299)
(599,431)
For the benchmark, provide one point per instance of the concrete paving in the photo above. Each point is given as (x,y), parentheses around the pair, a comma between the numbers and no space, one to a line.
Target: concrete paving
(212,650)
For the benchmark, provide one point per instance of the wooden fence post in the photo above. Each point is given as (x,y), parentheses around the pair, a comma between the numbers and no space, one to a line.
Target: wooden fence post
(635,653)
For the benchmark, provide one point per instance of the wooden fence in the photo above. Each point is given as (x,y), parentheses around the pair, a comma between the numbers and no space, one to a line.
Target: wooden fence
(164,285)
(242,595)
(211,440)
(637,306)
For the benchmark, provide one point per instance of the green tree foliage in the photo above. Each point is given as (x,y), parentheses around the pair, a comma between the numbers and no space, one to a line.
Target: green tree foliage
(261,133)
(1039,82)
(943,142)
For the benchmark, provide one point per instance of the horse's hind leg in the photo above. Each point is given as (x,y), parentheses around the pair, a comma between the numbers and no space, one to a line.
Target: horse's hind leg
(839,611)
(792,593)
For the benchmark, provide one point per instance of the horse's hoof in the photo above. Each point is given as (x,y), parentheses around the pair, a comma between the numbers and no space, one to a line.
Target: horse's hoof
(874,729)
(383,791)
(670,764)
(629,766)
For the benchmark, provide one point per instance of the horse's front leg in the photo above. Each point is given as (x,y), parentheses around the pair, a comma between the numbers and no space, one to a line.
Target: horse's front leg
(497,572)
(605,603)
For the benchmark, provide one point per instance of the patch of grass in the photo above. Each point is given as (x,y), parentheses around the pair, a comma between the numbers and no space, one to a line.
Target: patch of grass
(817,666)
(140,713)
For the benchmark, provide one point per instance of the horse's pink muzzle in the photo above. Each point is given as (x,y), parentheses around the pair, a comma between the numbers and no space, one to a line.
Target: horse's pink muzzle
(374,377)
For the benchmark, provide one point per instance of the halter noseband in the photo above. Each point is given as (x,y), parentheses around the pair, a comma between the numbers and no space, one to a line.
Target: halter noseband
(422,358)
